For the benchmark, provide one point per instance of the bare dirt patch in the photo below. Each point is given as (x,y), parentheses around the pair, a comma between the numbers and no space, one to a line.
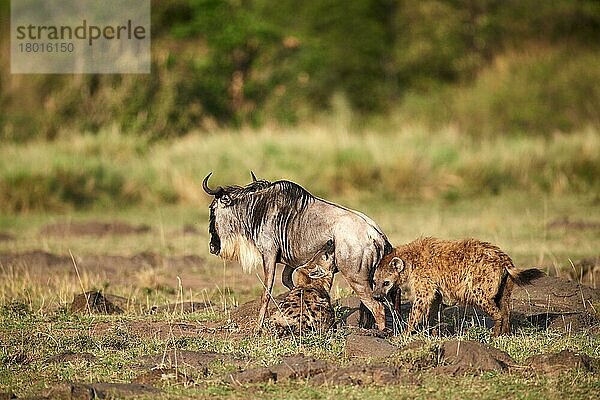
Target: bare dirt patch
(93,228)
(568,223)
(6,237)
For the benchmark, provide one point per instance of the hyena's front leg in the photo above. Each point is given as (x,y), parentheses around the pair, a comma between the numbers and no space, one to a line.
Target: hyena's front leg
(420,309)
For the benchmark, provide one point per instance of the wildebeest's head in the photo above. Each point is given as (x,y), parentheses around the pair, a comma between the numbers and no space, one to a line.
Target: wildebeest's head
(391,272)
(228,225)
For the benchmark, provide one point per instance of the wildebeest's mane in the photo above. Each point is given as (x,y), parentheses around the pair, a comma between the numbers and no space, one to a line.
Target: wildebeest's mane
(287,198)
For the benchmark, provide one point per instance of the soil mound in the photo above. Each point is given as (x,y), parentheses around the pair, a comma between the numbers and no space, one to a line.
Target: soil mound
(298,366)
(97,303)
(93,228)
(554,295)
(558,362)
(369,347)
(462,357)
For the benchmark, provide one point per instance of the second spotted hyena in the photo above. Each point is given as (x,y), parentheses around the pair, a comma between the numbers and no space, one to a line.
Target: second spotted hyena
(307,307)
(468,271)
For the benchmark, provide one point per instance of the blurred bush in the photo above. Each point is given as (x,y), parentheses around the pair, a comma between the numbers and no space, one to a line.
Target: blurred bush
(489,66)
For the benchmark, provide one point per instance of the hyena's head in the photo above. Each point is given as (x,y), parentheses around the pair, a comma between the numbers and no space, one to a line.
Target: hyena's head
(391,272)
(319,271)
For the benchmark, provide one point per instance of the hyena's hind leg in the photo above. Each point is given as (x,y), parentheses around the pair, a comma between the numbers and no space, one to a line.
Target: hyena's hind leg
(490,307)
(504,305)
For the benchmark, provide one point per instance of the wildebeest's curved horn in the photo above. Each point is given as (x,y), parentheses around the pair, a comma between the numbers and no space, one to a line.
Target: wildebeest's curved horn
(253,176)
(212,192)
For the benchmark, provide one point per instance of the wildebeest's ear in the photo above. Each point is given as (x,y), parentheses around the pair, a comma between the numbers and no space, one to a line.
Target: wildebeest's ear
(253,176)
(397,264)
(328,250)
(317,273)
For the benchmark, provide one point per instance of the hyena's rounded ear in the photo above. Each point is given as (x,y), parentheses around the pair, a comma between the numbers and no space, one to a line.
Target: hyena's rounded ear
(317,272)
(397,264)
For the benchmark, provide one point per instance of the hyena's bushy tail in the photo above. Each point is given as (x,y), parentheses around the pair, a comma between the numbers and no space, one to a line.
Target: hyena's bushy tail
(521,278)
(525,277)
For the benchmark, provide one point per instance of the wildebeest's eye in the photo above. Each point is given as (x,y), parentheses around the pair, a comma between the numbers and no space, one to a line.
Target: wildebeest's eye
(386,283)
(225,199)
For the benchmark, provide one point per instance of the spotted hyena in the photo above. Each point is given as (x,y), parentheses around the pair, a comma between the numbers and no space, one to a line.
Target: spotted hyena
(469,271)
(308,305)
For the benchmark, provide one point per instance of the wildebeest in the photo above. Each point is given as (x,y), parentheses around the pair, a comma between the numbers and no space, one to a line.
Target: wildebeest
(264,223)
(307,307)
(466,271)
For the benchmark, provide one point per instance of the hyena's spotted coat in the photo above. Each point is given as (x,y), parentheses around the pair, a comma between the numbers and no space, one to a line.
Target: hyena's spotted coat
(465,271)
(307,307)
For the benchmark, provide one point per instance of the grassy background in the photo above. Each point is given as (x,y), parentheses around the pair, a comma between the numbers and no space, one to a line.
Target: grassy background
(387,164)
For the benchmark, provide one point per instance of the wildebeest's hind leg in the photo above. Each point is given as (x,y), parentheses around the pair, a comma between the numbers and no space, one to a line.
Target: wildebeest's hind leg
(269,277)
(286,277)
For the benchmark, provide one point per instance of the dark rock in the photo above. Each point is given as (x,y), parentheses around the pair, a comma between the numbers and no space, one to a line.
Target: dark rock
(97,303)
(461,357)
(557,362)
(369,347)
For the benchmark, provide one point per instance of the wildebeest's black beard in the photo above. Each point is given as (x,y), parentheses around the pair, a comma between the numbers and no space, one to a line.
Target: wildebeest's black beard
(215,241)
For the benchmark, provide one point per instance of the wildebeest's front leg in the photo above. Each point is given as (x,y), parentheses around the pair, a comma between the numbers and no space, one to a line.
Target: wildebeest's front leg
(269,278)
